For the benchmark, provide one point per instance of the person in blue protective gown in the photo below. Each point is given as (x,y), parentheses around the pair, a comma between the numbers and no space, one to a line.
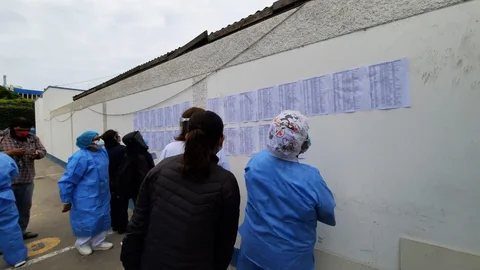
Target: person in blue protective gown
(84,191)
(11,238)
(285,201)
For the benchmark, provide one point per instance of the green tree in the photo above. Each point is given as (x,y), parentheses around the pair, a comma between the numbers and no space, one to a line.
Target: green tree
(13,105)
(7,94)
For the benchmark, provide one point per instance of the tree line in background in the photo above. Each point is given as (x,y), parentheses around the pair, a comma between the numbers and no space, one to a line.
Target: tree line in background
(13,105)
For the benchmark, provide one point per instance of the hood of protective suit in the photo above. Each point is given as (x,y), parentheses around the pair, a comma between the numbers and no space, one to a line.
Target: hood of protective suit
(85,140)
(288,132)
(8,171)
(135,139)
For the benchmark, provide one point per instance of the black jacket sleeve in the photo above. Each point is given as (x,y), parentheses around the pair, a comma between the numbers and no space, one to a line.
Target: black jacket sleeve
(228,224)
(133,243)
(145,165)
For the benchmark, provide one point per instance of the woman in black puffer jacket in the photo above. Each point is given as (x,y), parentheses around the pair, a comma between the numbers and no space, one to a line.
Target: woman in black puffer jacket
(186,216)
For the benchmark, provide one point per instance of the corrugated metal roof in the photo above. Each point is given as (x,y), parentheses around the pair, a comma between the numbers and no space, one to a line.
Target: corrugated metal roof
(204,38)
(27,91)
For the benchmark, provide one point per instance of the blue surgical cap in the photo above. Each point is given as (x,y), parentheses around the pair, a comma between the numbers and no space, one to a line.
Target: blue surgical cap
(84,140)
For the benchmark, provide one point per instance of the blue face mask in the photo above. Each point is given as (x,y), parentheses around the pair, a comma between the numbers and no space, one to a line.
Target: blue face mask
(146,141)
(309,143)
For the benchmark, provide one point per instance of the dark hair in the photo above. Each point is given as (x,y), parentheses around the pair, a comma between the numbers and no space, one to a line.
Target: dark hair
(205,129)
(21,122)
(184,125)
(110,138)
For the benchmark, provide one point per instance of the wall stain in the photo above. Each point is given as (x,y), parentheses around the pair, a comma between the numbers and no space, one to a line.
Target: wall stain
(460,63)
(455,81)
(475,85)
(420,228)
(320,240)
(468,68)
(425,77)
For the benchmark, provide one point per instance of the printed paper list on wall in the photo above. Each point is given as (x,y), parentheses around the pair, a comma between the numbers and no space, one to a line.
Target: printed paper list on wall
(268,103)
(389,85)
(263,136)
(167,117)
(148,123)
(376,87)
(214,105)
(157,140)
(380,86)
(240,141)
(317,93)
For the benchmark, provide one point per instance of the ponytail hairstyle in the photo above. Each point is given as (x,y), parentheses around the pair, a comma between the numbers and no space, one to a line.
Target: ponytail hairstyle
(205,130)
(184,122)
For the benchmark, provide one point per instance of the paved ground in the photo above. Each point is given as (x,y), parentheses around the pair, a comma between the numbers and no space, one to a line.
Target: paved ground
(53,249)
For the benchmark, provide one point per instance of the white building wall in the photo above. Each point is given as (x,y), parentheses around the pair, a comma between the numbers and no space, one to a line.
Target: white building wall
(406,173)
(61,137)
(54,98)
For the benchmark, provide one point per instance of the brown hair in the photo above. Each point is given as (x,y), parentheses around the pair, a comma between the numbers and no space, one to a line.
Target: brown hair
(183,125)
(205,129)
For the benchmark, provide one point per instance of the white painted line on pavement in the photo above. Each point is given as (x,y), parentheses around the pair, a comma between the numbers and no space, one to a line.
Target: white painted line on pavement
(48,175)
(44,257)
(48,255)
(54,174)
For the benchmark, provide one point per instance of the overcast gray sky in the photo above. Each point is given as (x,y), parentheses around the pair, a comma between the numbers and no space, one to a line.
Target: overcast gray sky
(54,42)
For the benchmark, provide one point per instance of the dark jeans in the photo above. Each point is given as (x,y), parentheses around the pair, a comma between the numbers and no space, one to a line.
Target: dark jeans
(23,196)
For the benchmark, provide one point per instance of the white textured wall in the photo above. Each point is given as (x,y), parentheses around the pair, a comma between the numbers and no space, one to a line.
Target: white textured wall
(407,172)
(61,137)
(54,98)
(42,127)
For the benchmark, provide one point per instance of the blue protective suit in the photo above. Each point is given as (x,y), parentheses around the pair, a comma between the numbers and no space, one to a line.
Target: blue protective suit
(285,201)
(11,238)
(85,184)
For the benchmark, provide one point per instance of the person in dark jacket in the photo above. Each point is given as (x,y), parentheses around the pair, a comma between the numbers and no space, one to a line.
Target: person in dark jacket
(137,164)
(116,155)
(134,166)
(187,211)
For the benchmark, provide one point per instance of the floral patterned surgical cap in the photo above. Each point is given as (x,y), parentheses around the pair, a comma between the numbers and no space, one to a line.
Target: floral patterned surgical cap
(288,131)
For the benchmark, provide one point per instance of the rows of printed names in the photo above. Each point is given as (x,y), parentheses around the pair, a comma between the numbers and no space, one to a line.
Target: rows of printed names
(157,140)
(240,141)
(245,141)
(166,117)
(375,87)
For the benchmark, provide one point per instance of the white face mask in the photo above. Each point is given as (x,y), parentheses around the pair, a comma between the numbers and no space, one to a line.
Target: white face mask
(100,142)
